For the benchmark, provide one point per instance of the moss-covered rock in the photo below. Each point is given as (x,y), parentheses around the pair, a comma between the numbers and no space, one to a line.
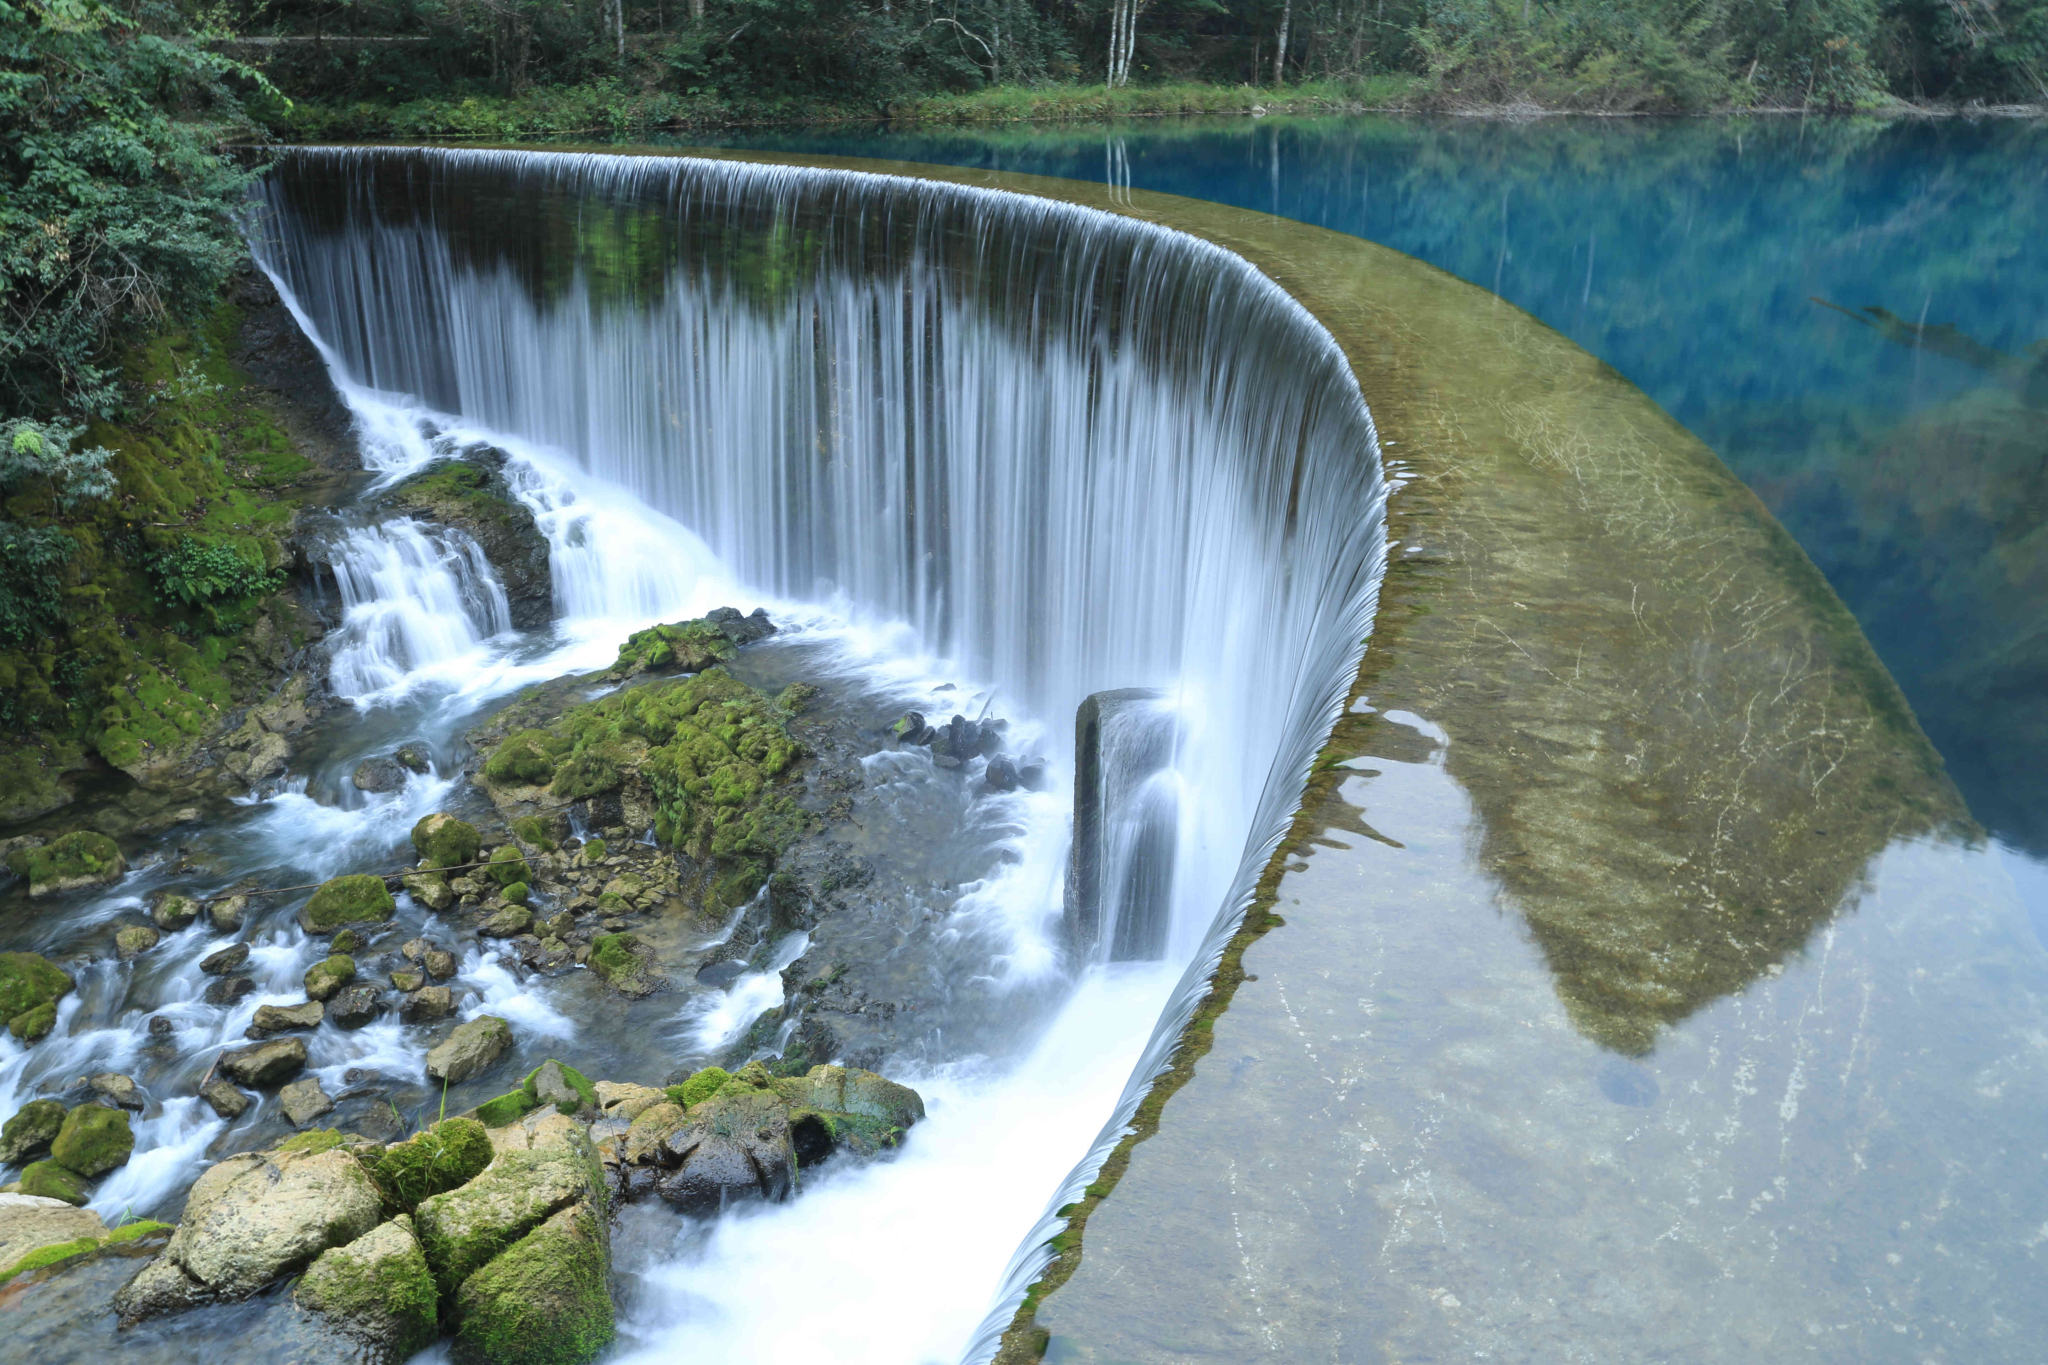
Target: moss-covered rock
(510,922)
(620,961)
(174,912)
(324,978)
(561,1085)
(545,1300)
(471,1050)
(29,1133)
(465,1229)
(133,940)
(508,867)
(509,1107)
(376,1290)
(81,858)
(474,499)
(446,1156)
(444,841)
(684,646)
(346,941)
(517,893)
(30,987)
(535,833)
(701,1085)
(93,1140)
(53,1180)
(359,898)
(595,851)
(703,758)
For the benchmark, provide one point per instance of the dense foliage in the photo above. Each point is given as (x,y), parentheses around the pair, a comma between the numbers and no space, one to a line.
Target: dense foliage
(686,60)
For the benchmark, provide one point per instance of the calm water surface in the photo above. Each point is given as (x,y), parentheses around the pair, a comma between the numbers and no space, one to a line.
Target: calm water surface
(1717,265)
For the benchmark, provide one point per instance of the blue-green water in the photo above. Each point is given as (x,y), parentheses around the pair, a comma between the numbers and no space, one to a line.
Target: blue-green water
(1690,255)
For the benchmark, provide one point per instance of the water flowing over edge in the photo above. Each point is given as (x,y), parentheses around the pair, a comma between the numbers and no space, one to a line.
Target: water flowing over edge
(1326,658)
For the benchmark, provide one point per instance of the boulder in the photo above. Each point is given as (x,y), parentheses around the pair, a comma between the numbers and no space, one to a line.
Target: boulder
(253,1219)
(427,1004)
(440,963)
(161,1026)
(414,758)
(444,841)
(562,1086)
(265,1064)
(625,1100)
(173,912)
(376,1291)
(378,775)
(69,862)
(286,1018)
(546,1164)
(229,990)
(30,1132)
(28,1223)
(303,1101)
(650,1128)
(510,922)
(225,1100)
(445,1157)
(325,978)
(227,913)
(30,987)
(119,1091)
(430,889)
(356,1006)
(133,940)
(359,898)
(545,1300)
(471,1050)
(93,1140)
(734,1146)
(405,983)
(53,1180)
(227,960)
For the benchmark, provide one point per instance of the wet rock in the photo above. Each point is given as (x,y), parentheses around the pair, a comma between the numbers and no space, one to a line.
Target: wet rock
(133,940)
(160,1026)
(172,913)
(28,1223)
(413,949)
(286,1018)
(1002,774)
(227,913)
(430,889)
(440,964)
(561,1086)
(346,941)
(625,964)
(547,1296)
(427,1004)
(414,758)
(225,1100)
(543,1164)
(229,990)
(507,923)
(475,500)
(29,1133)
(266,1064)
(911,728)
(119,1091)
(303,1101)
(30,987)
(359,898)
(377,1291)
(225,961)
(407,982)
(472,1049)
(252,1220)
(441,840)
(54,1180)
(355,1007)
(378,775)
(324,979)
(627,1101)
(93,1140)
(69,862)
(445,1157)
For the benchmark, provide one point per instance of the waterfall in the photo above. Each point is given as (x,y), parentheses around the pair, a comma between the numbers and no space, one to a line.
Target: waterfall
(416,603)
(1066,451)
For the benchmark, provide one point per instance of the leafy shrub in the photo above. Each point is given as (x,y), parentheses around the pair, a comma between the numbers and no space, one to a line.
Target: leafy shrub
(196,572)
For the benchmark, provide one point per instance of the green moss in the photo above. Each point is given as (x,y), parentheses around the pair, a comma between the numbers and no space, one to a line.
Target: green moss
(134,1232)
(380,1285)
(355,899)
(524,758)
(508,865)
(445,1157)
(612,957)
(612,903)
(345,942)
(517,893)
(712,752)
(30,986)
(54,1180)
(507,1108)
(534,831)
(49,1255)
(94,1140)
(30,1131)
(324,978)
(313,1141)
(32,1025)
(545,1301)
(689,646)
(701,1086)
(81,853)
(594,850)
(585,1091)
(444,841)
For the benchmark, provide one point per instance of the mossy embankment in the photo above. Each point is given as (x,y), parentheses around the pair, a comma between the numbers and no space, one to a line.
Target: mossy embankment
(163,608)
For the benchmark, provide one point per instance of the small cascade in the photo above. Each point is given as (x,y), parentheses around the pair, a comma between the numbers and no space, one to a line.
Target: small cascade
(417,603)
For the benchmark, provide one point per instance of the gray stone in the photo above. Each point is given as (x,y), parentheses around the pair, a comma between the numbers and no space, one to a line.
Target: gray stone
(225,1100)
(265,1064)
(355,1007)
(286,1018)
(225,961)
(440,964)
(377,1291)
(134,940)
(471,1050)
(118,1090)
(510,922)
(413,758)
(304,1101)
(226,914)
(378,775)
(427,1004)
(30,1222)
(173,913)
(228,990)
(553,1087)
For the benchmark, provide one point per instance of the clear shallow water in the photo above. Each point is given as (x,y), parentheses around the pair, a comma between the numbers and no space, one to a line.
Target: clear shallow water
(1689,256)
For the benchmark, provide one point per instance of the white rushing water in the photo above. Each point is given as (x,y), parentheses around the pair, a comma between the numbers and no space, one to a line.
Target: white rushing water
(971,436)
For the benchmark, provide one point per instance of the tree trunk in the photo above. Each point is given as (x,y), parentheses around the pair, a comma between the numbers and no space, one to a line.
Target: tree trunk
(1280,45)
